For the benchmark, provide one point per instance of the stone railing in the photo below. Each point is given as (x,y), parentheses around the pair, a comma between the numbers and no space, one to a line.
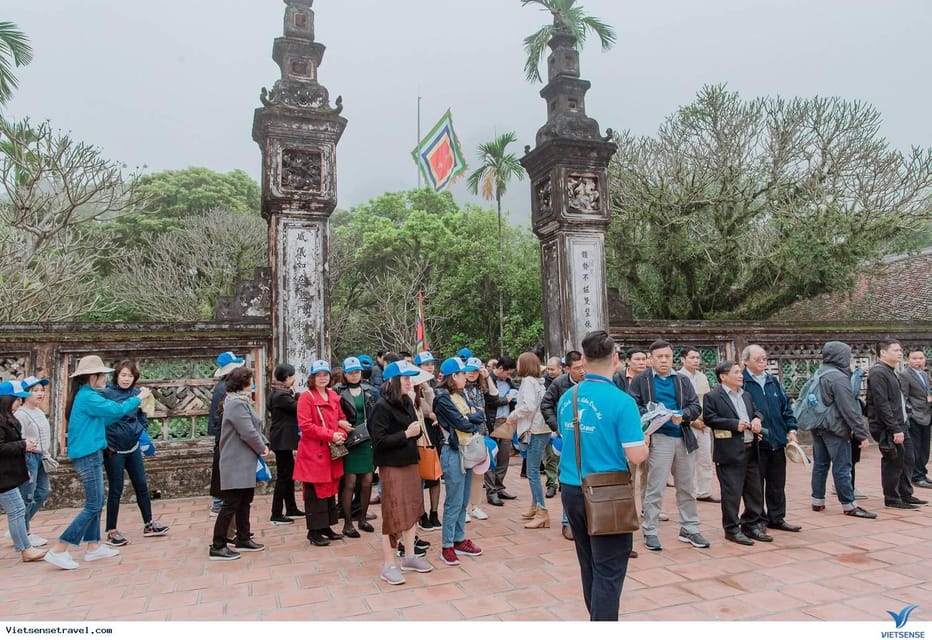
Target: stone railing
(176,361)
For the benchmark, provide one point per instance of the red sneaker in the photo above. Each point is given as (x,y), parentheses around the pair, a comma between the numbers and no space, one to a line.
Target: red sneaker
(466,548)
(448,555)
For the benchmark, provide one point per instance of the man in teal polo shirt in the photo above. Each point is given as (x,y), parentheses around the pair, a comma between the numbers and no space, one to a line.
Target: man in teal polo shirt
(611,440)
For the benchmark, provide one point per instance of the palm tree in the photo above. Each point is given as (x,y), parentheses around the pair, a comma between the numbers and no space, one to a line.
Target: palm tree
(496,170)
(566,14)
(14,49)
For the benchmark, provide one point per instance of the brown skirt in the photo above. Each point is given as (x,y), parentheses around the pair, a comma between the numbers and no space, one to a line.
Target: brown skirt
(402,498)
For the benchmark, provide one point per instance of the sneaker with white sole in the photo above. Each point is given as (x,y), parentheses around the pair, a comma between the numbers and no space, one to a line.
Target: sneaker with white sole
(61,560)
(468,519)
(416,564)
(37,541)
(478,514)
(100,553)
(695,539)
(392,575)
(154,529)
(448,555)
(116,539)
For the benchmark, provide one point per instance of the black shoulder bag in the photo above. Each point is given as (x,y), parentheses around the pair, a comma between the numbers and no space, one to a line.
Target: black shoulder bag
(608,496)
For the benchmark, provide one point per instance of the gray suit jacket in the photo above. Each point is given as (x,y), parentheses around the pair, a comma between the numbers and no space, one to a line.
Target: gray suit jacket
(917,400)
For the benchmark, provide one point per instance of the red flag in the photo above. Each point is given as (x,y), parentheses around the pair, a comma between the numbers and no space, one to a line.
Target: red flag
(419,332)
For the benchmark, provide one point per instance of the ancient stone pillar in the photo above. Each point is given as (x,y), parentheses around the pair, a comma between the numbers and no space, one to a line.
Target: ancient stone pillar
(298,130)
(570,202)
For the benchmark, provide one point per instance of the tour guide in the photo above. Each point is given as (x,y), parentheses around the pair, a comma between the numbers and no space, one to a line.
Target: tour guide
(611,438)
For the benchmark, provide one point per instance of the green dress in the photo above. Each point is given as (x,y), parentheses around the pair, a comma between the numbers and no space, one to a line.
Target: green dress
(359,460)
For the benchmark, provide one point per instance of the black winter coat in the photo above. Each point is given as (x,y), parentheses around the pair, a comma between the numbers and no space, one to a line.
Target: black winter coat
(548,406)
(13,470)
(283,425)
(387,425)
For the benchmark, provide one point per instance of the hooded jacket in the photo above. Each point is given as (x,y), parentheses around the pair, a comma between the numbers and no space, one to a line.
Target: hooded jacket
(123,435)
(844,417)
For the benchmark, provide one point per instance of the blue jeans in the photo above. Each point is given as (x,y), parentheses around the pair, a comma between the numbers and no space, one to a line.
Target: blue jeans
(86,525)
(35,491)
(132,463)
(535,453)
(603,560)
(12,502)
(457,497)
(831,450)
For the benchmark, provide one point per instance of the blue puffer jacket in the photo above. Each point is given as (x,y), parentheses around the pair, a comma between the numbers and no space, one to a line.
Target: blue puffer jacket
(123,434)
(776,407)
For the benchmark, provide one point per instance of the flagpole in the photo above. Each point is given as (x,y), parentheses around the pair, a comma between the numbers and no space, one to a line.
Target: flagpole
(416,167)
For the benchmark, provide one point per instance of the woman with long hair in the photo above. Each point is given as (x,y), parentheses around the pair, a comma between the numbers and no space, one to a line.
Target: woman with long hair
(123,453)
(530,426)
(36,427)
(282,404)
(358,401)
(455,416)
(322,422)
(241,444)
(479,385)
(395,428)
(88,412)
(13,472)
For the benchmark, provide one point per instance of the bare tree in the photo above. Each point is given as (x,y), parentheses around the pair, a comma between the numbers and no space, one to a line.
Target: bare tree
(179,275)
(739,208)
(56,191)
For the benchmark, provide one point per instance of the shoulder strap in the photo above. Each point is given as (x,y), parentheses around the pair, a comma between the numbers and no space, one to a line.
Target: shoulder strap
(576,432)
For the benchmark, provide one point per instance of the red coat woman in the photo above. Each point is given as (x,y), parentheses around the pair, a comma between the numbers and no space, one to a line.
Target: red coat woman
(321,421)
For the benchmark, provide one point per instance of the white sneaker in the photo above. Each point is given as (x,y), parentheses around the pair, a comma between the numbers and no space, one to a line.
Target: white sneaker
(478,514)
(37,541)
(102,552)
(61,560)
(468,519)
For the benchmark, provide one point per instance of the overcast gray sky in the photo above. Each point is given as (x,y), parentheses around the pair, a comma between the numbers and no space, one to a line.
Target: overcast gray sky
(173,83)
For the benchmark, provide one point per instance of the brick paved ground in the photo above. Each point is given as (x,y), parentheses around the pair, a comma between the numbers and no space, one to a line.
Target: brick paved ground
(837,568)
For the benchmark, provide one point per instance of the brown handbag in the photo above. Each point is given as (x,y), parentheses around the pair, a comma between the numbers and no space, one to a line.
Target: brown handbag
(428,462)
(608,496)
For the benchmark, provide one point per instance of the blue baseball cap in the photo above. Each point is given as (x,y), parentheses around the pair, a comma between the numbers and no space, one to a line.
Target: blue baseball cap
(351,364)
(399,368)
(31,381)
(464,353)
(452,365)
(14,388)
(424,357)
(365,361)
(226,362)
(320,366)
(473,364)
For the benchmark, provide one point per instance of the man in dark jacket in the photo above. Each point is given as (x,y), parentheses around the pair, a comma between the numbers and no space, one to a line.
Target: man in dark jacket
(886,416)
(575,372)
(779,425)
(736,425)
(915,385)
(831,441)
(497,409)
(670,446)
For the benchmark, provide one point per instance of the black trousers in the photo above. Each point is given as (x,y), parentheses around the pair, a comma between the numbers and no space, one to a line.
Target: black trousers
(283,497)
(920,436)
(896,465)
(236,505)
(603,560)
(773,478)
(319,513)
(741,481)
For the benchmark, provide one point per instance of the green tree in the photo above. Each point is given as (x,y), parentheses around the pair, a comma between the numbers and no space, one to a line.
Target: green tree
(567,15)
(736,209)
(14,51)
(383,252)
(170,196)
(497,168)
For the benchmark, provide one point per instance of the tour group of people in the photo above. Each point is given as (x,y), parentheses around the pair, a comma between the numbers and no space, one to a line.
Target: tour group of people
(395,428)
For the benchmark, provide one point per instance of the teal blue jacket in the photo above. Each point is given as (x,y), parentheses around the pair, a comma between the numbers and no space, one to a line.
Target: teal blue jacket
(90,414)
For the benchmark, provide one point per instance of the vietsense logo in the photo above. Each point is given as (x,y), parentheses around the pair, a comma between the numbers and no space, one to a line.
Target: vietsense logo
(900,619)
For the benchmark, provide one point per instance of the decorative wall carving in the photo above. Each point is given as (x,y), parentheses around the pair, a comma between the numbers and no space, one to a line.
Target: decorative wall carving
(301,170)
(545,196)
(582,193)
